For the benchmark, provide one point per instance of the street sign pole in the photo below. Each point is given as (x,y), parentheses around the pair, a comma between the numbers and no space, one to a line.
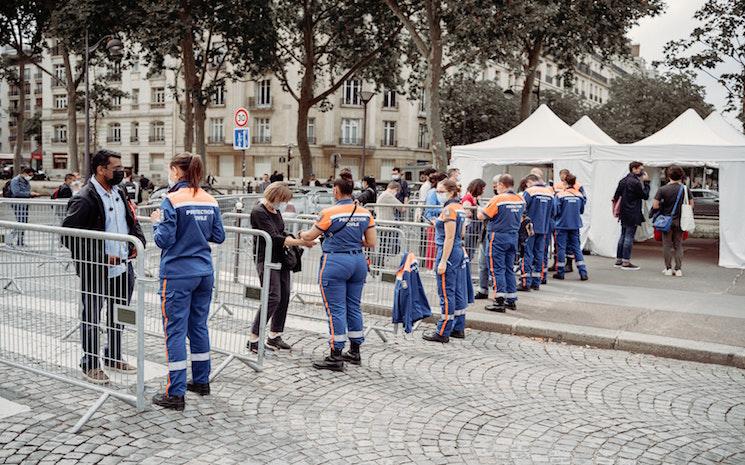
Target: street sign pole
(242,140)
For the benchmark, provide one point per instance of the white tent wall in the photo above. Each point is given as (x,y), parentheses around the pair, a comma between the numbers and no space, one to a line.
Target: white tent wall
(731,215)
(605,229)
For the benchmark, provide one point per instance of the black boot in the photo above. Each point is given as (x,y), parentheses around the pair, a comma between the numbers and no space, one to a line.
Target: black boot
(583,276)
(553,267)
(353,354)
(570,265)
(434,336)
(510,305)
(334,361)
(497,306)
(522,288)
(559,276)
(201,389)
(171,402)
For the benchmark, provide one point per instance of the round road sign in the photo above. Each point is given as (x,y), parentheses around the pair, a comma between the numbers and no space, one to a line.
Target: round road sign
(241,117)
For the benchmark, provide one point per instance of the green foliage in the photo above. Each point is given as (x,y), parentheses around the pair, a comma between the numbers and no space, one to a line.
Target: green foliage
(568,106)
(719,39)
(32,127)
(639,106)
(473,111)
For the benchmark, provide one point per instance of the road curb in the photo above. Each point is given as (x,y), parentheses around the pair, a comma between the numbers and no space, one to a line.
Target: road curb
(660,346)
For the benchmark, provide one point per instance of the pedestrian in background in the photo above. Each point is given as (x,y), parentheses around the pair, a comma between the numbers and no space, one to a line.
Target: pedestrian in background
(20,188)
(388,209)
(188,220)
(267,216)
(669,201)
(631,191)
(403,193)
(474,226)
(368,194)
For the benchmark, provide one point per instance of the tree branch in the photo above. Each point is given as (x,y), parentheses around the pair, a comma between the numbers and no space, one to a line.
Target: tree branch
(409,25)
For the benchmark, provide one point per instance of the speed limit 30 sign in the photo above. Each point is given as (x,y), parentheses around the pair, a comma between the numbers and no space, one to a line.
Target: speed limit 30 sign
(241,117)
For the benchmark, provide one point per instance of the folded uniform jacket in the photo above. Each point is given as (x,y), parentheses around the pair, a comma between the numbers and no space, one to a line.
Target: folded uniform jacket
(409,300)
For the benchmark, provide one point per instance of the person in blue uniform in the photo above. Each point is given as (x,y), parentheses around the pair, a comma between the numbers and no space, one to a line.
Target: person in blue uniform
(449,261)
(558,187)
(539,206)
(188,220)
(504,215)
(346,227)
(570,205)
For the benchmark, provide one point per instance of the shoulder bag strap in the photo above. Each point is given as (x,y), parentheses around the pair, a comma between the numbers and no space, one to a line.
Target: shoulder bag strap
(338,230)
(677,200)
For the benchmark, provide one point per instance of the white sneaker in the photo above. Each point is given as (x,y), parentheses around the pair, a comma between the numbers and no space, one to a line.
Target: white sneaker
(679,273)
(667,272)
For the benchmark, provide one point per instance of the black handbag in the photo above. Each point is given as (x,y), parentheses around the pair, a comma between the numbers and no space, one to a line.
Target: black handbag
(292,258)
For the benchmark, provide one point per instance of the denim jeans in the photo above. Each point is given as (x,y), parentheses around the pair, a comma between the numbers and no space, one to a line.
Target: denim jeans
(625,242)
(484,274)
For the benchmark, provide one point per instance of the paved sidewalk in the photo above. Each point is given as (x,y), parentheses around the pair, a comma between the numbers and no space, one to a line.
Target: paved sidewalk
(490,399)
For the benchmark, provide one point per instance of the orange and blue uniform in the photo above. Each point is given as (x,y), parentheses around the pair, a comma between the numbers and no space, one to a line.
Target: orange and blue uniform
(551,235)
(450,288)
(569,207)
(190,221)
(343,269)
(504,213)
(539,206)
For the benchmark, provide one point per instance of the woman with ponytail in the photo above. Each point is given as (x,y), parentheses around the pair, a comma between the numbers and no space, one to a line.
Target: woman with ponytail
(188,220)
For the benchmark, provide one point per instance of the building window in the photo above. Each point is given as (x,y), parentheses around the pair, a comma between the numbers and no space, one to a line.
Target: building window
(423,102)
(59,75)
(134,132)
(423,137)
(263,131)
(351,92)
(158,97)
(115,71)
(389,99)
(389,133)
(350,131)
(311,130)
(27,104)
(217,133)
(116,102)
(264,93)
(135,99)
(136,66)
(218,96)
(59,161)
(60,134)
(60,102)
(114,133)
(157,131)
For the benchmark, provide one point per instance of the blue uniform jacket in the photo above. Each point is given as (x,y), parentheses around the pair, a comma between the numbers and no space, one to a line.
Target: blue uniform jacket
(570,205)
(430,214)
(409,299)
(504,212)
(539,206)
(189,222)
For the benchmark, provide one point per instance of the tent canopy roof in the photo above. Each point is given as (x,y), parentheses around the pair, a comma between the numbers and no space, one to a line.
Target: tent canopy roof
(587,127)
(723,129)
(686,129)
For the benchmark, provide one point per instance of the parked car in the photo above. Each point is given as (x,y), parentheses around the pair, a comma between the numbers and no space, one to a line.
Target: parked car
(705,202)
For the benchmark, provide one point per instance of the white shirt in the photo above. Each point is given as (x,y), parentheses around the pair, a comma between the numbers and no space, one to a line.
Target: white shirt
(116,222)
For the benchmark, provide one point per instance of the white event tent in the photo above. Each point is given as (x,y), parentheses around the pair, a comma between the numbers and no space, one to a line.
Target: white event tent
(588,128)
(723,129)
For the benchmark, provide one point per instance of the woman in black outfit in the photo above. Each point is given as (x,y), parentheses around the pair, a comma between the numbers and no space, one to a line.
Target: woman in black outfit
(369,194)
(267,216)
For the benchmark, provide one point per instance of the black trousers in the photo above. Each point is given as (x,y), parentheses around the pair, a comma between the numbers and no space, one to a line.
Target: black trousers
(279,300)
(117,290)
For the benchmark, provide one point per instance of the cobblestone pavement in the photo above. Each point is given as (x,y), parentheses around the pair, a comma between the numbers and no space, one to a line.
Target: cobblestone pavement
(491,399)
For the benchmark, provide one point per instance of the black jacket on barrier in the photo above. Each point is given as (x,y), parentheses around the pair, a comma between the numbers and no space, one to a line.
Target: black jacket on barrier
(86,211)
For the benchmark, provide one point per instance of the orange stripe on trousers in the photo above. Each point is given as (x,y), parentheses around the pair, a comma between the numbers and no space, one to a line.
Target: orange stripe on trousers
(491,262)
(445,299)
(325,301)
(165,332)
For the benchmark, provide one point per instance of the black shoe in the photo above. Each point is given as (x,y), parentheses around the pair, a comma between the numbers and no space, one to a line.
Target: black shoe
(570,265)
(497,306)
(171,402)
(618,263)
(544,281)
(536,287)
(584,277)
(553,267)
(510,305)
(629,267)
(353,354)
(558,276)
(481,296)
(254,347)
(434,336)
(522,288)
(334,361)
(278,343)
(458,334)
(201,389)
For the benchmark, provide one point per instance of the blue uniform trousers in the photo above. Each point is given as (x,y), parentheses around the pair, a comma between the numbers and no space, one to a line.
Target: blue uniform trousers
(452,293)
(568,244)
(533,266)
(503,249)
(185,304)
(341,278)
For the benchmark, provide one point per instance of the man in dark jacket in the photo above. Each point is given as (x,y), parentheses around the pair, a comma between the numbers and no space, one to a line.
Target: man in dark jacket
(368,194)
(104,266)
(64,191)
(632,190)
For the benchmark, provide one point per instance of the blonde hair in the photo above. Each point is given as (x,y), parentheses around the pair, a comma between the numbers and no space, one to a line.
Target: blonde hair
(276,192)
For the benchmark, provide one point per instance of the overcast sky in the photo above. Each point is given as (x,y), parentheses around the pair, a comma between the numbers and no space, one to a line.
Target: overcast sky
(675,23)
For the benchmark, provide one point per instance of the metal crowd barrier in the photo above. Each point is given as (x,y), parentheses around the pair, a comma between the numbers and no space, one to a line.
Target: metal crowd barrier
(85,289)
(34,211)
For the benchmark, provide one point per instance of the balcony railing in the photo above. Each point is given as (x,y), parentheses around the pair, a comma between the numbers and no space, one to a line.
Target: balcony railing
(157,104)
(59,110)
(255,104)
(134,139)
(312,140)
(216,139)
(113,140)
(134,106)
(59,140)
(390,107)
(350,141)
(389,142)
(345,102)
(156,140)
(261,140)
(423,145)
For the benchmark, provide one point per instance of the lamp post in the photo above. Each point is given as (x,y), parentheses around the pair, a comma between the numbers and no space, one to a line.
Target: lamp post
(509,93)
(114,46)
(366,96)
(484,119)
(289,159)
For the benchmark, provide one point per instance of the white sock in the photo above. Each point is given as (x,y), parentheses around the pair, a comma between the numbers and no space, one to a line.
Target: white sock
(253,337)
(272,334)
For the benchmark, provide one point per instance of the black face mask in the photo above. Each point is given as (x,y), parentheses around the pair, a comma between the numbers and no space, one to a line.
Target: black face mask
(116,179)
(496,192)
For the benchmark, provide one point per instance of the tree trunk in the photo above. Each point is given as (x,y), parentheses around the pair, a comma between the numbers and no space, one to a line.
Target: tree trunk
(20,117)
(190,77)
(72,115)
(306,93)
(200,115)
(306,158)
(743,103)
(534,55)
(94,128)
(432,90)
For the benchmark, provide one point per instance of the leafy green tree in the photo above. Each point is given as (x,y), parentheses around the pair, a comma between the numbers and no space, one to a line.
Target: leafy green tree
(568,106)
(638,106)
(22,24)
(212,42)
(322,43)
(718,40)
(32,127)
(473,111)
